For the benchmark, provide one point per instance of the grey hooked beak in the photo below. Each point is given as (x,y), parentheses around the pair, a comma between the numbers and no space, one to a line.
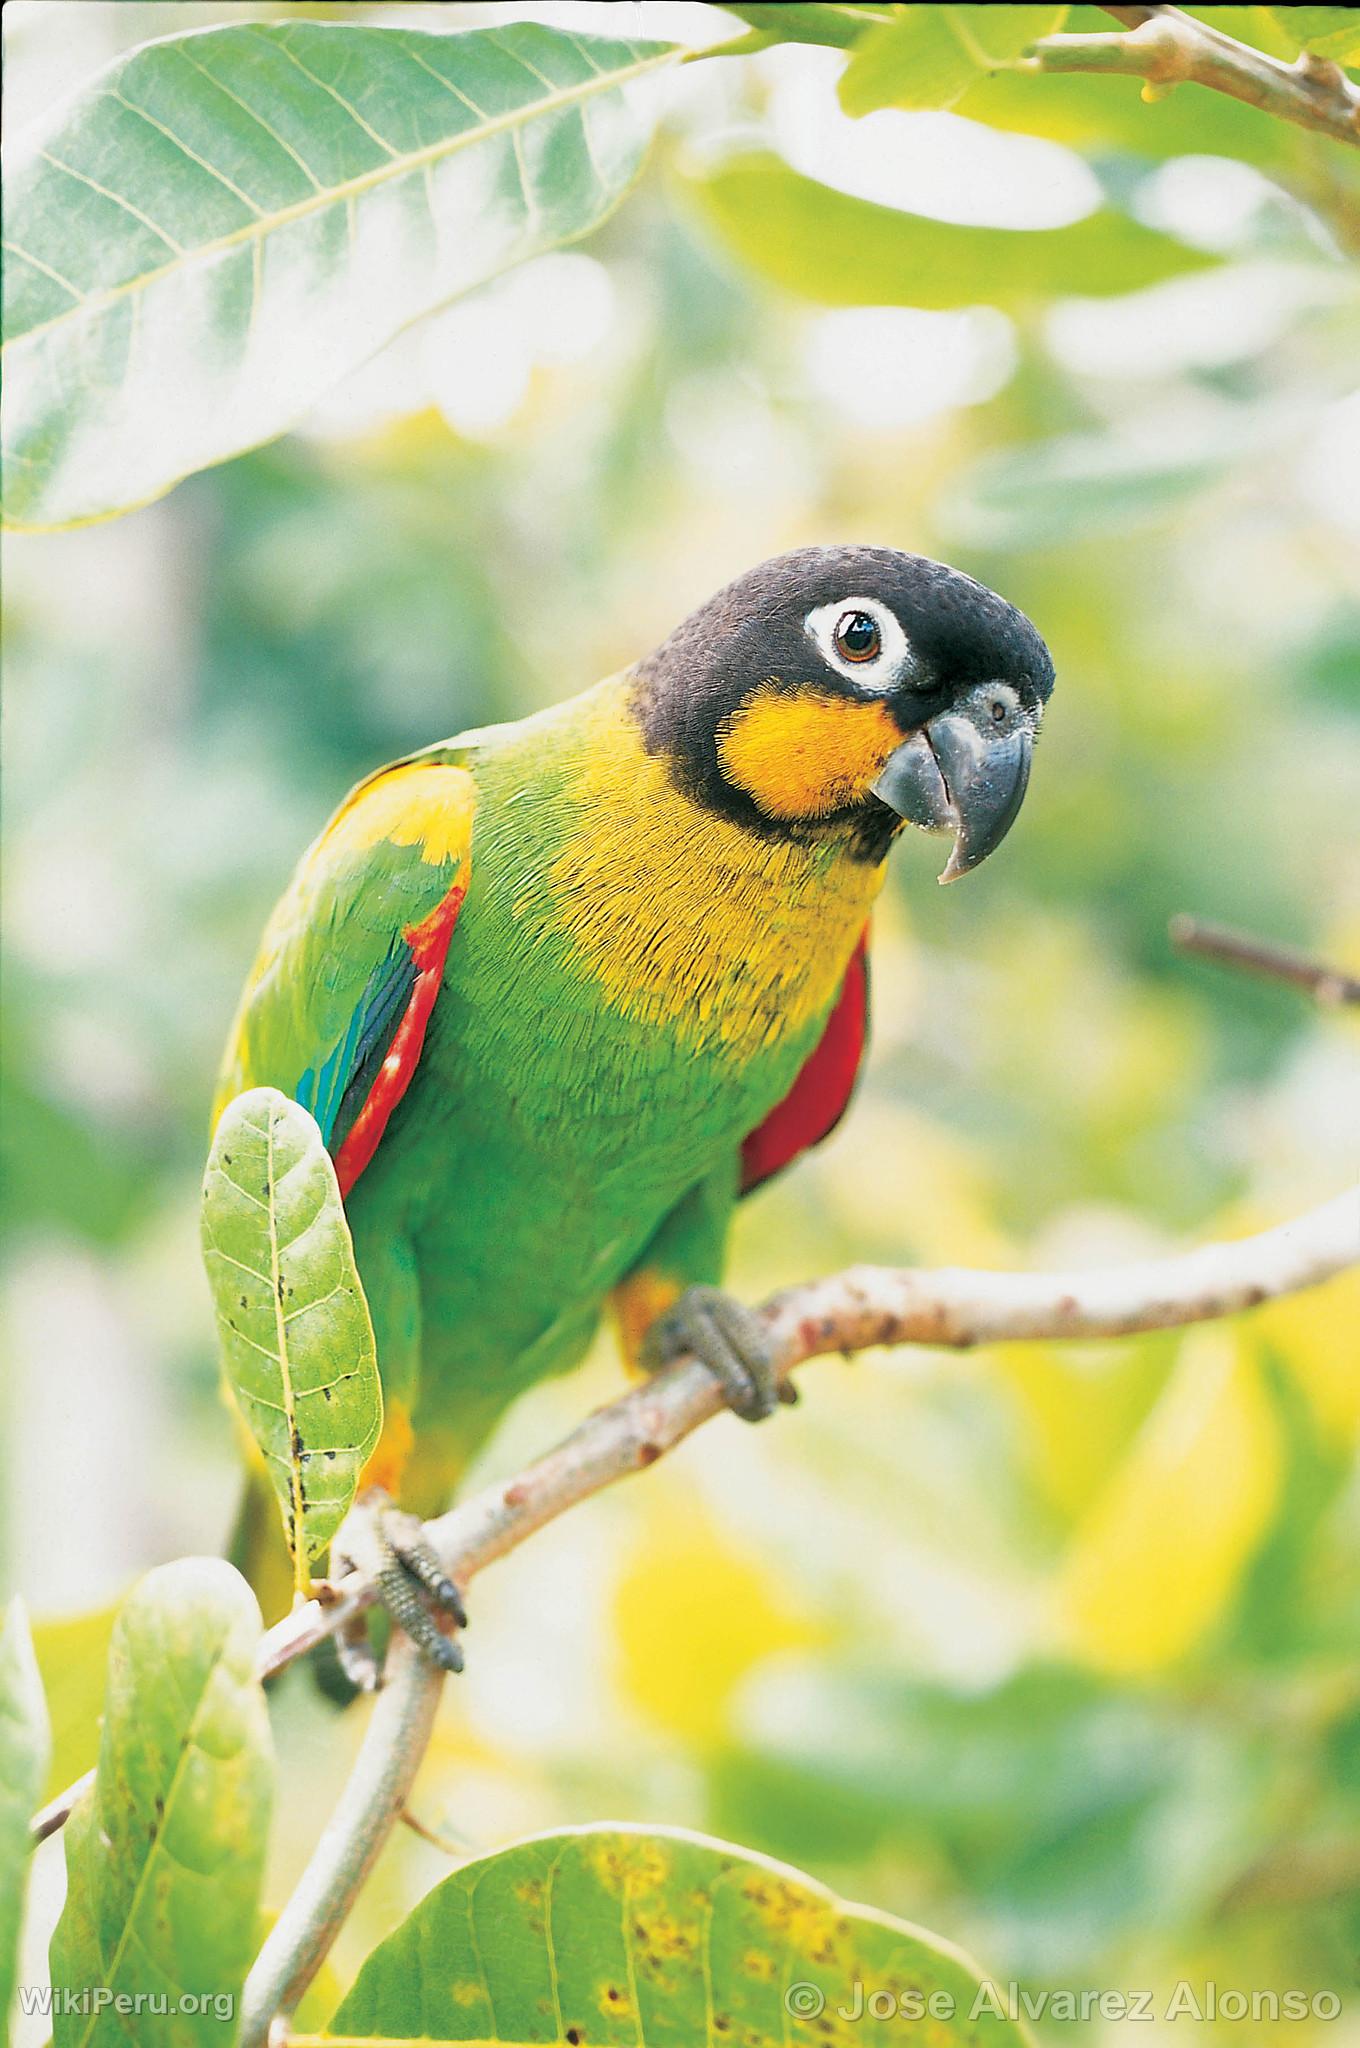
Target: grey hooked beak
(965,771)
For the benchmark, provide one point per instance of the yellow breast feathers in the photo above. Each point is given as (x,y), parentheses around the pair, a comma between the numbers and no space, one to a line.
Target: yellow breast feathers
(691,920)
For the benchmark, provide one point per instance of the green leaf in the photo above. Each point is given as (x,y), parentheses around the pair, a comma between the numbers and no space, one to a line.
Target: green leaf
(24,1745)
(1110,113)
(224,224)
(1258,27)
(639,1936)
(929,56)
(839,251)
(831,27)
(1075,486)
(296,1338)
(1332,32)
(165,1855)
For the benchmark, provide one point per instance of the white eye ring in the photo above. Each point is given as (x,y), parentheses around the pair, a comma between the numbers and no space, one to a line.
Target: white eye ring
(890,666)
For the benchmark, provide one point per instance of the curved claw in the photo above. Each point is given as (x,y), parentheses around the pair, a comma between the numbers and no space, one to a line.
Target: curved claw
(731,1341)
(413,1586)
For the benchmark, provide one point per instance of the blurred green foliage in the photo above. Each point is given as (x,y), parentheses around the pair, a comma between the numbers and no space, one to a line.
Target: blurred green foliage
(1052,1649)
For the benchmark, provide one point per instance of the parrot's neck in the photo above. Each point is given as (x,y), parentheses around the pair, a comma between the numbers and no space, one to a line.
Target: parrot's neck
(687,920)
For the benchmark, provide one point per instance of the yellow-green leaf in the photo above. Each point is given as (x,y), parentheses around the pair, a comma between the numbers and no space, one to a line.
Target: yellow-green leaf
(224,224)
(1331,32)
(24,1743)
(1165,1546)
(830,26)
(839,251)
(165,1855)
(1094,114)
(72,1651)
(642,1936)
(1045,494)
(296,1337)
(929,56)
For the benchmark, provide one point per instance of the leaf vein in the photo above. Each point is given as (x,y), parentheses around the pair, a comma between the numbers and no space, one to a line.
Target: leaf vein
(499,43)
(183,147)
(447,83)
(232,1260)
(280,43)
(232,1182)
(118,200)
(240,1337)
(582,51)
(532,209)
(36,263)
(305,1392)
(299,1539)
(257,118)
(583,115)
(304,1308)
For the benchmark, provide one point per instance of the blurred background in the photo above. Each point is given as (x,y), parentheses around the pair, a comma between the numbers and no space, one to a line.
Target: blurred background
(1052,1649)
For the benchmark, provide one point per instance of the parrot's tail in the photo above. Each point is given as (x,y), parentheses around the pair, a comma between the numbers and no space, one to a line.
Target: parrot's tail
(257,1548)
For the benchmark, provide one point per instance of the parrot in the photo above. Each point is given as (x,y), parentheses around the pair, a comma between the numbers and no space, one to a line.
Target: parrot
(559,993)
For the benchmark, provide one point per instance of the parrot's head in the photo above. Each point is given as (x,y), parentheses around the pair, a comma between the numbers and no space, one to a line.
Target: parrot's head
(850,690)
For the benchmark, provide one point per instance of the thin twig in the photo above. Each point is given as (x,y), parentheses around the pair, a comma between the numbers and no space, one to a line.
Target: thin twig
(1293,1874)
(1330,985)
(1165,47)
(376,1791)
(448,1844)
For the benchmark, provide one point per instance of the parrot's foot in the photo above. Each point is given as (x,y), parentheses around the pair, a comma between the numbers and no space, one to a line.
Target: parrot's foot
(413,1586)
(731,1341)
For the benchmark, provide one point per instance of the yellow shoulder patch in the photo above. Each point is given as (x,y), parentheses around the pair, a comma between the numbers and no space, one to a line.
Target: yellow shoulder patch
(808,755)
(424,804)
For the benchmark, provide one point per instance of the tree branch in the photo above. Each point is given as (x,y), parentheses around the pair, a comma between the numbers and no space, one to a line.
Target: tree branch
(389,1756)
(857,1310)
(1328,984)
(1165,47)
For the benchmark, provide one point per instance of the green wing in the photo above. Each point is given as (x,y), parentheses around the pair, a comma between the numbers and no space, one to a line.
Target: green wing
(337,1003)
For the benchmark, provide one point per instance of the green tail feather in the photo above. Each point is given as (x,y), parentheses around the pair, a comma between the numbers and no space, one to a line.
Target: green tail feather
(257,1548)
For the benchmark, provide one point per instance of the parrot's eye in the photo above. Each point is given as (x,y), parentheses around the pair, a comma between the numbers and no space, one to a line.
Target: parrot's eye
(863,638)
(857,637)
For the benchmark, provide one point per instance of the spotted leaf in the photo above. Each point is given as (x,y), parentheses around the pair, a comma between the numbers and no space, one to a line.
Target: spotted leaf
(638,1937)
(296,1338)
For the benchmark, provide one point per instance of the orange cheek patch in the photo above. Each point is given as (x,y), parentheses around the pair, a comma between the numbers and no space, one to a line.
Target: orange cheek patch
(806,756)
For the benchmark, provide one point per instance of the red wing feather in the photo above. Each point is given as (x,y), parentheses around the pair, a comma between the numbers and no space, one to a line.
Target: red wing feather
(429,944)
(817,1100)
